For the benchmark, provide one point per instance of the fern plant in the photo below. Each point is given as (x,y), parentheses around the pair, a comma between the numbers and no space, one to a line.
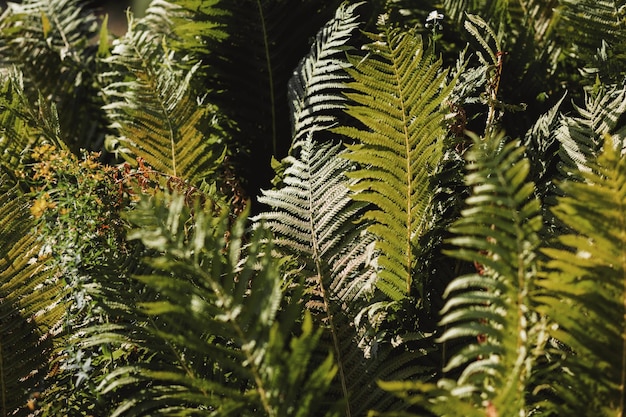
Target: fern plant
(399,94)
(499,231)
(314,90)
(327,305)
(49,44)
(238,359)
(582,288)
(30,304)
(166,132)
(581,137)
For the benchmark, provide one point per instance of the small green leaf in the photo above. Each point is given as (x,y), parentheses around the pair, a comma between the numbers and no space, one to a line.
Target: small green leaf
(45,24)
(103,43)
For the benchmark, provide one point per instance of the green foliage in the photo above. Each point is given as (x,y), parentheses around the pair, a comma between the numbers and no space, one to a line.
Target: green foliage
(491,312)
(582,288)
(238,358)
(150,104)
(312,221)
(76,204)
(29,306)
(399,93)
(23,127)
(48,42)
(401,265)
(499,230)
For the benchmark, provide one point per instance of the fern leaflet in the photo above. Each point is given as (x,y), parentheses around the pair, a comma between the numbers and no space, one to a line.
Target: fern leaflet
(314,89)
(581,137)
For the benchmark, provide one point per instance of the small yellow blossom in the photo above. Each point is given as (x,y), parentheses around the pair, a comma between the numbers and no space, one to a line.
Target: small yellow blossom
(42,204)
(43,151)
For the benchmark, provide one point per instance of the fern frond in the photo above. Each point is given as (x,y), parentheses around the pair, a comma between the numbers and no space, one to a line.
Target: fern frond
(29,305)
(583,289)
(398,97)
(48,41)
(312,220)
(588,23)
(151,106)
(218,331)
(245,70)
(581,137)
(499,231)
(475,25)
(315,89)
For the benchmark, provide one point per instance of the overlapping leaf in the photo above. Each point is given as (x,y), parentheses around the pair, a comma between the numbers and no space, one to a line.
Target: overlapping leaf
(399,92)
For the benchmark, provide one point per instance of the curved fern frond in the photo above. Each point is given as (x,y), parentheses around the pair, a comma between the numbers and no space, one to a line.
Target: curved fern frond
(583,289)
(499,231)
(316,87)
(399,92)
(312,220)
(581,137)
(151,106)
(30,306)
(475,25)
(218,333)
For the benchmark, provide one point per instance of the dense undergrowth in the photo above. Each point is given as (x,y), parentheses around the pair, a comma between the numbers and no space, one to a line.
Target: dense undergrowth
(313,208)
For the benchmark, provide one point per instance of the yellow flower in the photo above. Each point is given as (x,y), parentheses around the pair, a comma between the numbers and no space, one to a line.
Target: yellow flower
(90,164)
(41,152)
(42,204)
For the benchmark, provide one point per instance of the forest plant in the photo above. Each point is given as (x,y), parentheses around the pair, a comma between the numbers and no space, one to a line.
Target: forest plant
(344,269)
(398,98)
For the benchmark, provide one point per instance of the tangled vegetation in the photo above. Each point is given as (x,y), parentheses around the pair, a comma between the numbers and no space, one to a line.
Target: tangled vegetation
(313,208)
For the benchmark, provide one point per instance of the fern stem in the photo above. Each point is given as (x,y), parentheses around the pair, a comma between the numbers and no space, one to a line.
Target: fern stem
(270,77)
(409,172)
(329,315)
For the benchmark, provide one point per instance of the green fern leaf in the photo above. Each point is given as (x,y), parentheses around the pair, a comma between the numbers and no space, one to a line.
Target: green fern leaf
(398,99)
(151,106)
(500,231)
(30,304)
(583,287)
